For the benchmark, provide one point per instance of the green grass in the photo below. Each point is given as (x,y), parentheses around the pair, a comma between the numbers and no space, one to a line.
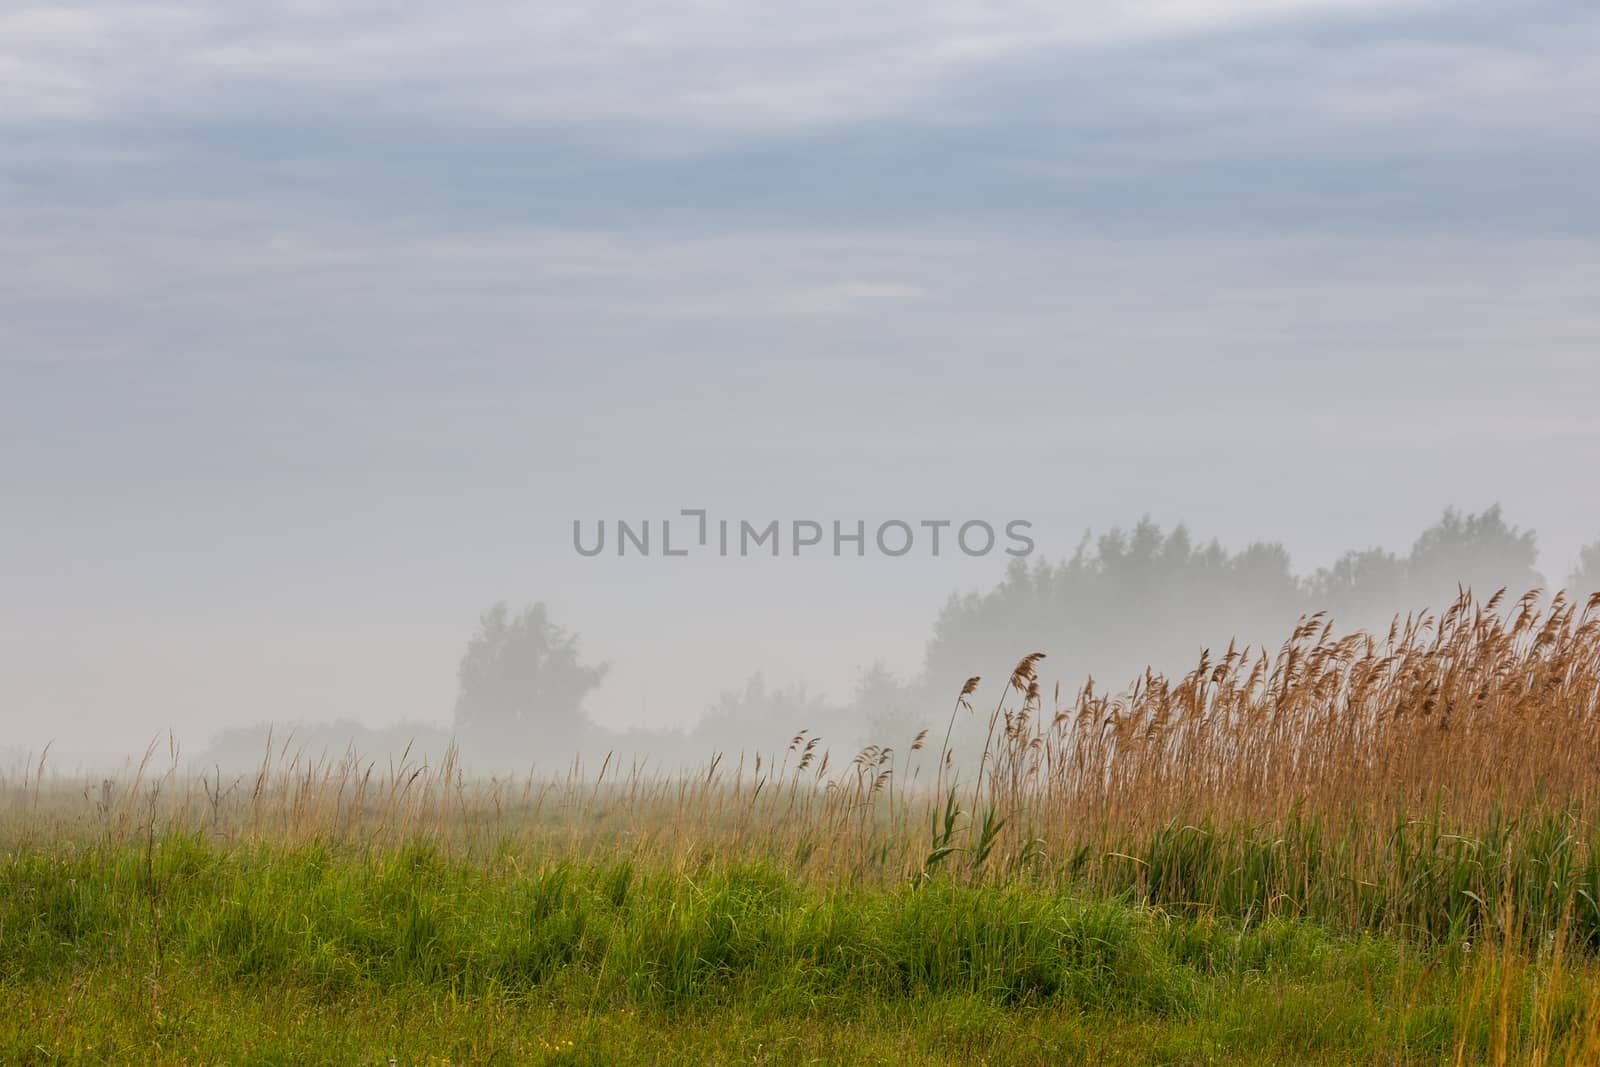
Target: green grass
(179,950)
(1412,876)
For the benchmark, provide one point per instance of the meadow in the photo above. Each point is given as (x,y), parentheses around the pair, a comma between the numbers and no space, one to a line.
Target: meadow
(1350,849)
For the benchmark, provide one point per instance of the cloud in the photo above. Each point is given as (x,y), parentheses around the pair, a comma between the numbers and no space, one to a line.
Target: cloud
(745,66)
(454,120)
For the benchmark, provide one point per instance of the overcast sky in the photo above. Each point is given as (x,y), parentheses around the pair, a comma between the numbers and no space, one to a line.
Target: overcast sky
(320,325)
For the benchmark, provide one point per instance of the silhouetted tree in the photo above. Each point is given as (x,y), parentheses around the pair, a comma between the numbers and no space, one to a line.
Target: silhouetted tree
(1367,587)
(884,709)
(1359,587)
(1481,552)
(1146,597)
(759,719)
(1584,582)
(522,690)
(1137,597)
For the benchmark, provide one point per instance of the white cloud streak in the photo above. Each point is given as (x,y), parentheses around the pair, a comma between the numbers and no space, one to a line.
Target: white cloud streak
(743,66)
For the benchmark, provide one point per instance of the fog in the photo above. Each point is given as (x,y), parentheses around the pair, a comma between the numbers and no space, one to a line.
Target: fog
(315,344)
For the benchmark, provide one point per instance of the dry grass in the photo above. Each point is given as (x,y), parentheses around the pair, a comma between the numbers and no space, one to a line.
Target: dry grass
(1474,725)
(1437,784)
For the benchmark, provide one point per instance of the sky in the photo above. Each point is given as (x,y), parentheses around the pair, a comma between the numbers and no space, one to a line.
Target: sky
(320,325)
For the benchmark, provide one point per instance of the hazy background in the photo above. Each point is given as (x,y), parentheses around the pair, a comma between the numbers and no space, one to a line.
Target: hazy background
(317,329)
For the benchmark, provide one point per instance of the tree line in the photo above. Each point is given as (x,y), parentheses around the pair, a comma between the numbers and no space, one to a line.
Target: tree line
(1120,602)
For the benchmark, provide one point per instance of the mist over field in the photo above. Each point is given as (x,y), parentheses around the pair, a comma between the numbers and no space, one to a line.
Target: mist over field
(310,360)
(1129,601)
(320,330)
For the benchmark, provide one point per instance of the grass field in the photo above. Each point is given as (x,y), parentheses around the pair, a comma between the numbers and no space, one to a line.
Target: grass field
(1353,850)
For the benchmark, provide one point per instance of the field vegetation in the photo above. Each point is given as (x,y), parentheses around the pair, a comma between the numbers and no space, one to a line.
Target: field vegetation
(1353,848)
